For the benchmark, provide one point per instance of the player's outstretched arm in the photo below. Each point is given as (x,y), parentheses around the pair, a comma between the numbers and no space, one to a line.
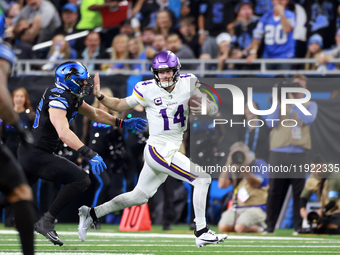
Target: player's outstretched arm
(113,103)
(60,123)
(103,117)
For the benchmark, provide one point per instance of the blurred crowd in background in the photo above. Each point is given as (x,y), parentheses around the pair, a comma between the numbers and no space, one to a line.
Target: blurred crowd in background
(196,29)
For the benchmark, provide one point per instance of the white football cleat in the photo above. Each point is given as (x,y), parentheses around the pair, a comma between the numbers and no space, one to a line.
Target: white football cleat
(222,237)
(210,237)
(85,221)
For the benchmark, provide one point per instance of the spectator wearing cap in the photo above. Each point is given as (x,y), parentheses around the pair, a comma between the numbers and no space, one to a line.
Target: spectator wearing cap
(243,32)
(113,12)
(327,55)
(69,19)
(187,29)
(315,45)
(182,51)
(278,26)
(223,41)
(49,17)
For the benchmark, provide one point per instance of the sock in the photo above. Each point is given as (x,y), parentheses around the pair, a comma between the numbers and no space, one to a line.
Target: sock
(24,216)
(93,215)
(49,217)
(200,232)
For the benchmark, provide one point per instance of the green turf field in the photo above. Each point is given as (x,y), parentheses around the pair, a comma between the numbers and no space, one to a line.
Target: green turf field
(180,240)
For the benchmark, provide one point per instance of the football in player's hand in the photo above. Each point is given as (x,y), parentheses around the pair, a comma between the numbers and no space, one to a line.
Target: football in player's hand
(193,99)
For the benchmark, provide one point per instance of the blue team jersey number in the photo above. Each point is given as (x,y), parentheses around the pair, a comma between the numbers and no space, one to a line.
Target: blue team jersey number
(275,35)
(218,13)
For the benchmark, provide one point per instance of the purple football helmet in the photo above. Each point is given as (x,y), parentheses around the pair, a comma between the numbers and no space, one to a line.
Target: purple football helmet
(162,61)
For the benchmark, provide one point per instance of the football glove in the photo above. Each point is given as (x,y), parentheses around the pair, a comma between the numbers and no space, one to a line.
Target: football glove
(97,163)
(134,123)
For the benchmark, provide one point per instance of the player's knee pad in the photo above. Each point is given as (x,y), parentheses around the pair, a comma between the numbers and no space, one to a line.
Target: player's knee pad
(83,184)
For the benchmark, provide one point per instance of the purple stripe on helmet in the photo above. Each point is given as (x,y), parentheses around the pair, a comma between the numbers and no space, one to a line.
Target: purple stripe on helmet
(138,92)
(172,169)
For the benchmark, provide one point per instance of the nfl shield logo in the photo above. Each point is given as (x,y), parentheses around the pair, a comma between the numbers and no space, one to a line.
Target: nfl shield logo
(158,101)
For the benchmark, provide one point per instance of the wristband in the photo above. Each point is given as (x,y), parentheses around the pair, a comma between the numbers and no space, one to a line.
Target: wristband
(119,122)
(87,152)
(101,97)
(253,51)
(202,31)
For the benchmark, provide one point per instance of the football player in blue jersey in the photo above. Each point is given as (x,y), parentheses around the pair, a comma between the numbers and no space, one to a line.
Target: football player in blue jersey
(277,28)
(57,109)
(13,184)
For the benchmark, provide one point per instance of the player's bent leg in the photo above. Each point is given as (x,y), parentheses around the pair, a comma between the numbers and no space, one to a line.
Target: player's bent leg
(57,169)
(148,183)
(183,169)
(45,225)
(87,215)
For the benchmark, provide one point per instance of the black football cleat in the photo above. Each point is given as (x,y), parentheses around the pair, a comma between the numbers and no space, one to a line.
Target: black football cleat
(46,228)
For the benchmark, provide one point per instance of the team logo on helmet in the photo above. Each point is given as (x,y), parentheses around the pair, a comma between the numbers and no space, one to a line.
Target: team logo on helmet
(72,71)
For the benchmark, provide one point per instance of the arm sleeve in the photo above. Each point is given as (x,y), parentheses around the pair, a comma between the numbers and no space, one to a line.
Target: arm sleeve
(138,94)
(58,102)
(132,101)
(307,119)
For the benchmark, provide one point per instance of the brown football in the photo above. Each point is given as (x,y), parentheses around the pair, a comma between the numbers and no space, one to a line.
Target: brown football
(194,98)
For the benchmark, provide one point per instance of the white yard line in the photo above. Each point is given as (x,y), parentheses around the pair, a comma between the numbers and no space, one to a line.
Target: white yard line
(193,245)
(181,236)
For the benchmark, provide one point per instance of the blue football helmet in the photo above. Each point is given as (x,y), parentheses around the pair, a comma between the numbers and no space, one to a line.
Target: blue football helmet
(73,76)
